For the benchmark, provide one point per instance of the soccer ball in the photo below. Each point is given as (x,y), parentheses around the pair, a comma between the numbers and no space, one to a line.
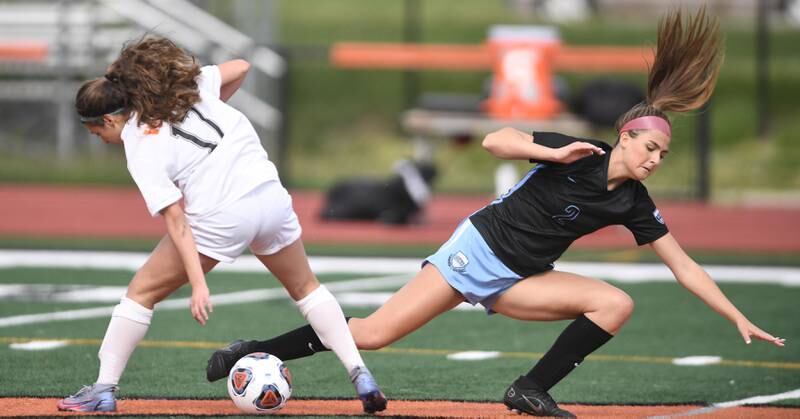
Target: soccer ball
(259,383)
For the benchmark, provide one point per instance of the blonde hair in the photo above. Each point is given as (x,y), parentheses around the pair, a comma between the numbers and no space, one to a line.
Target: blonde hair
(684,72)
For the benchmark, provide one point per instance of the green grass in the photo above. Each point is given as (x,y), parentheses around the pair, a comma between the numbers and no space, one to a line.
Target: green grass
(668,322)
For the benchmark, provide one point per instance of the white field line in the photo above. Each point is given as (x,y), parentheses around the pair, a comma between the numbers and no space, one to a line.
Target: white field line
(238,297)
(473,355)
(64,293)
(39,345)
(621,272)
(794,394)
(131,261)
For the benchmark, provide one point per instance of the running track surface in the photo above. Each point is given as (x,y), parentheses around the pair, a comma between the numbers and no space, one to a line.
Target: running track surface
(39,407)
(106,212)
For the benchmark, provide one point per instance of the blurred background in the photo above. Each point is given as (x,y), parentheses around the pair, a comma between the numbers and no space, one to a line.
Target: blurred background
(374,111)
(323,122)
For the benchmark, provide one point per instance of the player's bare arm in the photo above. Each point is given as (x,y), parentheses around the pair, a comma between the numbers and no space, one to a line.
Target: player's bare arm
(181,235)
(696,279)
(512,144)
(232,74)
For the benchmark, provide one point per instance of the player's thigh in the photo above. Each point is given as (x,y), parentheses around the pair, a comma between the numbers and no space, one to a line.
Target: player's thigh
(162,273)
(290,266)
(556,295)
(424,297)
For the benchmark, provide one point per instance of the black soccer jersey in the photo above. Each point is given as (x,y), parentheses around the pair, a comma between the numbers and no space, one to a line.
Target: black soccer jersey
(530,226)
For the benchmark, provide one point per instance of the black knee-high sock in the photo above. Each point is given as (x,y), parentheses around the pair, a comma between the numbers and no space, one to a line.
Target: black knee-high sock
(578,340)
(297,343)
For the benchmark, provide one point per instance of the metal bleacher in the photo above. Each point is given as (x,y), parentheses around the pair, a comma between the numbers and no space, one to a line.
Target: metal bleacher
(47,48)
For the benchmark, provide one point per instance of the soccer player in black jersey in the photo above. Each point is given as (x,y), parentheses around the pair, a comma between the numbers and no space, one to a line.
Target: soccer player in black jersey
(502,256)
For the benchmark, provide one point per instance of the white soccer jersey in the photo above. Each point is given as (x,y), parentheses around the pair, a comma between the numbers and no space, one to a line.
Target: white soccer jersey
(210,159)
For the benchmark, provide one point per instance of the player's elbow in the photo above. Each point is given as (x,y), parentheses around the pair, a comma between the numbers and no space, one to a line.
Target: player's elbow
(173,217)
(242,67)
(171,211)
(500,143)
(493,143)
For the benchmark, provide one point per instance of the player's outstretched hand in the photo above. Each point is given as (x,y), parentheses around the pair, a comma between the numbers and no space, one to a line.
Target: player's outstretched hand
(749,330)
(200,303)
(576,151)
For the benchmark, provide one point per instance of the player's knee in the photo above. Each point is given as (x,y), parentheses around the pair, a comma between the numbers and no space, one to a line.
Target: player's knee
(621,305)
(367,336)
(371,342)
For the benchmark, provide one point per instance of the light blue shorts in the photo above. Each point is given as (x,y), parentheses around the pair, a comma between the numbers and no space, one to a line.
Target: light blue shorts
(468,264)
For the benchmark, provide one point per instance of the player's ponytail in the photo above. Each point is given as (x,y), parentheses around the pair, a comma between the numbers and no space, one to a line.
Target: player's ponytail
(158,79)
(684,72)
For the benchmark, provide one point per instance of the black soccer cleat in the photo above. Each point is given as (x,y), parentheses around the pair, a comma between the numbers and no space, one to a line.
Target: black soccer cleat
(222,360)
(526,397)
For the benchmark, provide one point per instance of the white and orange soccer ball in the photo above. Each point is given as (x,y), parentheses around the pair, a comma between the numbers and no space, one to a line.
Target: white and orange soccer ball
(260,383)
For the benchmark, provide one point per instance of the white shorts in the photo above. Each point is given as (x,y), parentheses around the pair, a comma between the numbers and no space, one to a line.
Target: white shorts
(262,220)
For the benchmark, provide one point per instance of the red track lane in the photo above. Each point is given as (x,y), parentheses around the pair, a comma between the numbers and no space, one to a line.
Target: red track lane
(105,212)
(46,407)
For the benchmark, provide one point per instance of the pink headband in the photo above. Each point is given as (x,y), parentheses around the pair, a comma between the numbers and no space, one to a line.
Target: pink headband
(648,122)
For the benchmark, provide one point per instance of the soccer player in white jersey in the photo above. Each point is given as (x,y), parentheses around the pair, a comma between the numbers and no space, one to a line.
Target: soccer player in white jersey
(184,143)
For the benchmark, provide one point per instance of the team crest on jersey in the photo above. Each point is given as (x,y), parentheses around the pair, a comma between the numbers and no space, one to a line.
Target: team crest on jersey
(658,217)
(458,261)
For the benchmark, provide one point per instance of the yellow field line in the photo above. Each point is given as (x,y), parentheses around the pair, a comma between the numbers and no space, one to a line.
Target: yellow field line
(420,351)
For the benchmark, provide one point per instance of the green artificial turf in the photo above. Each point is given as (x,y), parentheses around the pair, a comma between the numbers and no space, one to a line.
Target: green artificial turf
(633,368)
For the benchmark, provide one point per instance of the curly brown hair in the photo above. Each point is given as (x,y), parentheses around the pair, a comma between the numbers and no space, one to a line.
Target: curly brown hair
(685,68)
(157,78)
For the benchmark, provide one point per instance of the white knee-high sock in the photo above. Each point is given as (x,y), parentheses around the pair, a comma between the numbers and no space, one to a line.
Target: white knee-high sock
(325,316)
(128,325)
